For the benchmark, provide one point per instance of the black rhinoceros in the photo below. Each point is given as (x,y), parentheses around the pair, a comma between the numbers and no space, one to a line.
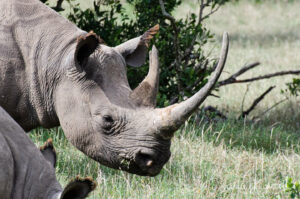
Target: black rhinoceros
(25,173)
(52,73)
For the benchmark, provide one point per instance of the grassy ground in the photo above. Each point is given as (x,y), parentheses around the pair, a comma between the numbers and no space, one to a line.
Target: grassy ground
(231,159)
(224,160)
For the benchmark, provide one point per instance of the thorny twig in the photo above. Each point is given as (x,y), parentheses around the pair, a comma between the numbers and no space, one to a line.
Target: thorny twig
(256,101)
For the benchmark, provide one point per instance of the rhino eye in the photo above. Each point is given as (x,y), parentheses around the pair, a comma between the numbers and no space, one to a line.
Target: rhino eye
(107,123)
(108,119)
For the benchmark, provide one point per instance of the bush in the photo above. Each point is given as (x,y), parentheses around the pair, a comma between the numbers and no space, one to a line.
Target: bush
(184,66)
(294,87)
(293,188)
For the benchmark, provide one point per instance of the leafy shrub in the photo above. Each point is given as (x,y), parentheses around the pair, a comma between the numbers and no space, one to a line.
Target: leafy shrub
(293,188)
(184,65)
(294,87)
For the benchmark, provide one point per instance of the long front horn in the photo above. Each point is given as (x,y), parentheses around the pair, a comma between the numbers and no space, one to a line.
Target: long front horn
(173,117)
(145,93)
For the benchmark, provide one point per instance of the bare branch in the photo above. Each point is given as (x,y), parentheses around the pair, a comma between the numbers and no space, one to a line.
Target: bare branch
(232,78)
(211,12)
(58,6)
(256,101)
(201,9)
(281,73)
(214,95)
(276,104)
(164,12)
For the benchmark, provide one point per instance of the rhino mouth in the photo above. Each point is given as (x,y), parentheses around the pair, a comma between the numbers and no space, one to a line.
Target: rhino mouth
(145,162)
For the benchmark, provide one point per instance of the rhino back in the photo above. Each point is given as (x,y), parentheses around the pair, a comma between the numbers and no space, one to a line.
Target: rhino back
(34,40)
(24,171)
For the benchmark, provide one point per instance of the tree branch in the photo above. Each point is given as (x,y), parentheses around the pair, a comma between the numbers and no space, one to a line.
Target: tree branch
(164,12)
(212,12)
(232,78)
(58,6)
(256,101)
(281,73)
(276,104)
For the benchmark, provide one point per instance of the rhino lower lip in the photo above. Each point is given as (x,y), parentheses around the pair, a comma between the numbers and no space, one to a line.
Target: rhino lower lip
(153,171)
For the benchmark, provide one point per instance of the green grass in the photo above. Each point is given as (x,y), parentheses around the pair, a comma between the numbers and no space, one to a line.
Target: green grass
(231,159)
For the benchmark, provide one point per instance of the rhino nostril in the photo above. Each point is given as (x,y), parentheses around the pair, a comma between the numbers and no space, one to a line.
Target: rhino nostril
(144,159)
(149,163)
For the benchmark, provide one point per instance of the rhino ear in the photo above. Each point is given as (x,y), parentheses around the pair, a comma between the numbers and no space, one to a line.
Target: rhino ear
(86,45)
(49,152)
(79,188)
(134,51)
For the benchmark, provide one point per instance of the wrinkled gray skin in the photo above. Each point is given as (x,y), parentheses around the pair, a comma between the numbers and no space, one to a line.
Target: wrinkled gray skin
(24,172)
(52,73)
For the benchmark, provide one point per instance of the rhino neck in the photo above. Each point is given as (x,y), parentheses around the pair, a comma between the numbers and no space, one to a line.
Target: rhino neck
(42,38)
(46,73)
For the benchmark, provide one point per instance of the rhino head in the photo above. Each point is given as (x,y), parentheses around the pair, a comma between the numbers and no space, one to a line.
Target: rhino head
(107,120)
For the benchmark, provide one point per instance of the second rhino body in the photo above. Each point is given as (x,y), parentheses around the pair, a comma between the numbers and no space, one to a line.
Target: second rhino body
(25,173)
